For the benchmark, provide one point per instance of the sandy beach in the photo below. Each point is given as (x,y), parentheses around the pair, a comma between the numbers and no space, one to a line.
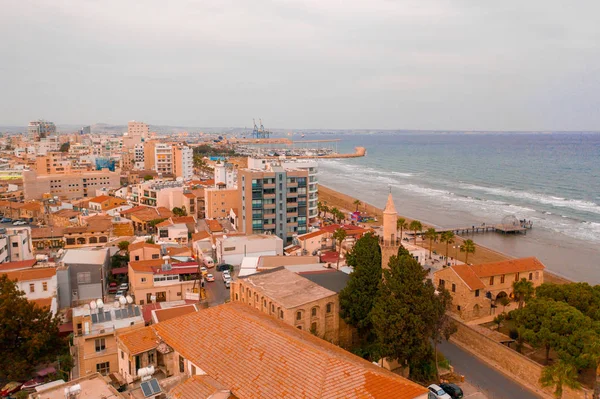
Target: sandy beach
(333,198)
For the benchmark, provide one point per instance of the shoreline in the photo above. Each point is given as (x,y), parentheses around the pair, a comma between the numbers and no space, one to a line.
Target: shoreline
(483,254)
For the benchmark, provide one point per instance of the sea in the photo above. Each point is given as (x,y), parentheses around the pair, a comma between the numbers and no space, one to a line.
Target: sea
(455,179)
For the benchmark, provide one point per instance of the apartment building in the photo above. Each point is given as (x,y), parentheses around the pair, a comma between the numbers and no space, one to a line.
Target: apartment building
(135,128)
(274,201)
(15,244)
(39,285)
(95,329)
(69,185)
(183,161)
(169,159)
(40,129)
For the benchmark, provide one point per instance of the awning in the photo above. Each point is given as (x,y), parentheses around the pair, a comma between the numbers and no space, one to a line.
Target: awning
(119,270)
(46,371)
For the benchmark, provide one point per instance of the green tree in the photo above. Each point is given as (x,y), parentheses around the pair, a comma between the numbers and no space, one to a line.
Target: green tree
(582,296)
(404,315)
(358,297)
(468,247)
(65,147)
(28,333)
(401,225)
(123,245)
(357,203)
(339,235)
(561,374)
(320,208)
(447,238)
(415,226)
(504,301)
(523,290)
(325,210)
(179,211)
(148,177)
(432,236)
(444,326)
(498,320)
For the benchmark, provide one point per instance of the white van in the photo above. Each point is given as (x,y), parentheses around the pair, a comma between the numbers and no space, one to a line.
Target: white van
(209,262)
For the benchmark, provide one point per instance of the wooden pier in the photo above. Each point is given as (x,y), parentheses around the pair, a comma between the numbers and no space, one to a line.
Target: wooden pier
(482,228)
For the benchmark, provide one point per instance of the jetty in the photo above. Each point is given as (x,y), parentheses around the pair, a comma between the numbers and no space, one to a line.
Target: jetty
(511,226)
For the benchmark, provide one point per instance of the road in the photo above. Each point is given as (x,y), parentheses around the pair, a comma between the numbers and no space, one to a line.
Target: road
(490,381)
(216,292)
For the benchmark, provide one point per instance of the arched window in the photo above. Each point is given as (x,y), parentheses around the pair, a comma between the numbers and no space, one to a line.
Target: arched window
(299,315)
(81,240)
(103,239)
(93,240)
(329,308)
(313,312)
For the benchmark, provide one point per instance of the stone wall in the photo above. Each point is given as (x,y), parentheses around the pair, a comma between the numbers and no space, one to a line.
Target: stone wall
(507,360)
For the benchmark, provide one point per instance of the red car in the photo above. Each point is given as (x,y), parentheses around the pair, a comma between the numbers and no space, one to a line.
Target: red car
(10,388)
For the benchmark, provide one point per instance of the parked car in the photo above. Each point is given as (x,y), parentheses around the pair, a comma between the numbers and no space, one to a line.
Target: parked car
(209,262)
(210,277)
(227,283)
(6,220)
(223,267)
(10,388)
(453,390)
(436,392)
(203,270)
(124,287)
(112,288)
(226,276)
(119,293)
(19,223)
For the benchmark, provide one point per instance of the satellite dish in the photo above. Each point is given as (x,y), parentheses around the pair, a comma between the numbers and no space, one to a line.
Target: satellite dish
(117,304)
(129,299)
(93,305)
(122,300)
(152,298)
(99,303)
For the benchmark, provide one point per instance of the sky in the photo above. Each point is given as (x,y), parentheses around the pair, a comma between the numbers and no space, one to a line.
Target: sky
(305,64)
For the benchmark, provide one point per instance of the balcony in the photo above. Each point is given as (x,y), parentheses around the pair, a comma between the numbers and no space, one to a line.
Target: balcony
(269,196)
(292,185)
(269,226)
(267,186)
(269,206)
(269,215)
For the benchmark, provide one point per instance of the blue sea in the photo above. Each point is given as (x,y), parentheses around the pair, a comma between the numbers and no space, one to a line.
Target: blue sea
(461,179)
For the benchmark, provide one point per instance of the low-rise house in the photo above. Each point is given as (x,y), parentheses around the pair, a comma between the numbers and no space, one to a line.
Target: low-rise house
(475,289)
(172,233)
(39,285)
(162,280)
(233,248)
(15,244)
(146,218)
(91,386)
(95,232)
(64,218)
(104,202)
(144,251)
(32,211)
(47,237)
(95,328)
(87,274)
(189,221)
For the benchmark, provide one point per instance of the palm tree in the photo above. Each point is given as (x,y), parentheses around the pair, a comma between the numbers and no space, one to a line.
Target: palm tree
(559,375)
(401,225)
(339,235)
(523,290)
(357,203)
(335,213)
(320,208)
(468,247)
(415,226)
(432,236)
(340,216)
(325,210)
(448,238)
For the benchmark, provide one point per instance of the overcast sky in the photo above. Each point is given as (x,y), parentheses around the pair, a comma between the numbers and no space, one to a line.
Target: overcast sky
(465,65)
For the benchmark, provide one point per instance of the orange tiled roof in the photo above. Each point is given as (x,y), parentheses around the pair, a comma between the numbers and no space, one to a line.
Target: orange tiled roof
(145,266)
(508,266)
(42,302)
(138,341)
(311,235)
(100,198)
(183,219)
(47,232)
(198,386)
(164,223)
(18,265)
(170,313)
(214,225)
(466,273)
(189,195)
(265,358)
(31,274)
(32,206)
(142,244)
(201,235)
(174,251)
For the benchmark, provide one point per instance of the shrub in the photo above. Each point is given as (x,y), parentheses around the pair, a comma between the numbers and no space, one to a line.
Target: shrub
(513,333)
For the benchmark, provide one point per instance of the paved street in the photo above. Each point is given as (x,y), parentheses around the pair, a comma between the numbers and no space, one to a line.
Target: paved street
(492,382)
(216,292)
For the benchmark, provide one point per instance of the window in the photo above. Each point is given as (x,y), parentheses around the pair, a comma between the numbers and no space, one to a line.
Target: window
(453,287)
(103,368)
(328,309)
(458,307)
(313,328)
(313,312)
(155,256)
(151,358)
(442,283)
(137,257)
(492,280)
(298,315)
(299,327)
(281,314)
(31,287)
(272,308)
(100,344)
(476,293)
(15,244)
(44,286)
(84,278)
(530,276)
(122,355)
(236,297)
(502,279)
(181,364)
(537,275)
(143,279)
(517,277)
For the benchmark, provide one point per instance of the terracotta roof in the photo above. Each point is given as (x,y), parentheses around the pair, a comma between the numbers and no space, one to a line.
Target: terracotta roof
(174,251)
(201,235)
(32,206)
(138,341)
(170,313)
(183,219)
(37,273)
(214,225)
(101,198)
(142,244)
(164,212)
(466,273)
(164,223)
(195,387)
(42,302)
(134,210)
(66,213)
(47,232)
(508,266)
(18,265)
(265,358)
(189,195)
(311,235)
(145,266)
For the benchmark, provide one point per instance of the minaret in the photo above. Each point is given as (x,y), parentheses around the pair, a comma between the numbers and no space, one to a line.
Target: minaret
(390,239)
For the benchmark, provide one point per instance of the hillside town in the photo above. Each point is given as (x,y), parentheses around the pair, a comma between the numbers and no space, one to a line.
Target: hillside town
(170,266)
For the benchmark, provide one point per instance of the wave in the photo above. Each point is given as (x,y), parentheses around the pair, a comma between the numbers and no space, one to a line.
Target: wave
(560,202)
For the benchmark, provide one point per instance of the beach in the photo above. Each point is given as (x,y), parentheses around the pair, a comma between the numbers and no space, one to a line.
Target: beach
(333,198)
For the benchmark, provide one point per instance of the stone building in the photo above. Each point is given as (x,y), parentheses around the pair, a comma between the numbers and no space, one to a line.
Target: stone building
(295,300)
(477,289)
(390,242)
